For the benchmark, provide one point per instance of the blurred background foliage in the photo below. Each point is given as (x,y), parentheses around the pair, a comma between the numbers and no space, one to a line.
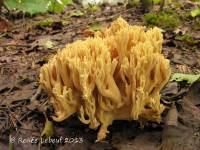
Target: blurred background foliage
(37,6)
(57,6)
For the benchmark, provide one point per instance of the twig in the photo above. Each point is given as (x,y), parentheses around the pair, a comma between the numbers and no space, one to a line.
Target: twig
(14,116)
(16,45)
(4,97)
(28,129)
(37,94)
(11,144)
(25,115)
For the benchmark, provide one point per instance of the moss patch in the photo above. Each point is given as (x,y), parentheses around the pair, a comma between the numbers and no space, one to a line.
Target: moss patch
(162,19)
(187,39)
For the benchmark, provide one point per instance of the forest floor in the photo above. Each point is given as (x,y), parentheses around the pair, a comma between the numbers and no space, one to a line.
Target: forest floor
(27,42)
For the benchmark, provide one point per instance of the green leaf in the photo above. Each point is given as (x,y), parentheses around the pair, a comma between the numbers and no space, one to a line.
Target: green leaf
(195,12)
(179,77)
(37,6)
(58,5)
(30,6)
(156,1)
(48,129)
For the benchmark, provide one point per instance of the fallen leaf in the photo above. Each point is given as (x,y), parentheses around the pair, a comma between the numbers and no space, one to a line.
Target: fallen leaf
(195,12)
(48,129)
(4,25)
(179,77)
(88,33)
(194,93)
(171,88)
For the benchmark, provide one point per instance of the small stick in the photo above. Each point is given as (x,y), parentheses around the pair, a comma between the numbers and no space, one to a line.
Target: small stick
(37,94)
(16,45)
(162,4)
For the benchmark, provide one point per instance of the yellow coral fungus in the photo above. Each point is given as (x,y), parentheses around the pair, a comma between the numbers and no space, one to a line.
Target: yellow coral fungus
(117,75)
